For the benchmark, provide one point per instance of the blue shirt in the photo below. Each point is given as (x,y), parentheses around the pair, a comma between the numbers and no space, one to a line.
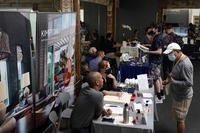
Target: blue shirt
(89,58)
(94,64)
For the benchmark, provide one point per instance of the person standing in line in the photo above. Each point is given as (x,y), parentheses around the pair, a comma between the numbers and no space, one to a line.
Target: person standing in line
(168,38)
(155,59)
(181,82)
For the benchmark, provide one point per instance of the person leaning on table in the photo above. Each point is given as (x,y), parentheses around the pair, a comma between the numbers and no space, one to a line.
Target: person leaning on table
(88,105)
(181,82)
(109,80)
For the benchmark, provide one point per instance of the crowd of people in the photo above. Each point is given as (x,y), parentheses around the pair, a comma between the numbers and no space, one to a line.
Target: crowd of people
(169,66)
(177,70)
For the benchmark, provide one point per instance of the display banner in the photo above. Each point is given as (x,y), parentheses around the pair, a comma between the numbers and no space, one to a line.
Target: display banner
(55,51)
(36,53)
(15,56)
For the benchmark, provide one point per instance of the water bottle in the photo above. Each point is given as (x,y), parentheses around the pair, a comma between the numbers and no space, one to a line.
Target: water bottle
(143,120)
(119,77)
(126,114)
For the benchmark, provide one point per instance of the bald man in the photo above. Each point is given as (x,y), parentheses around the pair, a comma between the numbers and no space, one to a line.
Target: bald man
(88,105)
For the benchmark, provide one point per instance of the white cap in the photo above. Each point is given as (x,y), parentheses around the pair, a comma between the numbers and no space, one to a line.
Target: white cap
(171,47)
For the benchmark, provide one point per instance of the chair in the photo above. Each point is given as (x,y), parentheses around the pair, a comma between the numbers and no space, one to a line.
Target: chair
(65,112)
(53,127)
(53,117)
(57,117)
(64,99)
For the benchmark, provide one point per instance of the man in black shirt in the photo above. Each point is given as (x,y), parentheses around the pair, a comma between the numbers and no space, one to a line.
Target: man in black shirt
(155,59)
(167,39)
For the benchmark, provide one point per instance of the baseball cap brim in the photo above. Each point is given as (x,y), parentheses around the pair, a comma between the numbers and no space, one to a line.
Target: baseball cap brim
(167,51)
(171,47)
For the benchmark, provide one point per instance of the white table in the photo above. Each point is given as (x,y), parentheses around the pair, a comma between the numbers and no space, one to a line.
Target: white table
(119,127)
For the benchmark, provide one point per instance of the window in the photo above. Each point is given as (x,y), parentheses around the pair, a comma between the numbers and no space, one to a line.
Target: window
(4,82)
(82,15)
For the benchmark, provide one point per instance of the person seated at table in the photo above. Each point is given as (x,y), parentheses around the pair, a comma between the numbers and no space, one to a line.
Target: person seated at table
(83,82)
(94,63)
(109,79)
(95,40)
(111,48)
(110,45)
(88,105)
(84,70)
(91,55)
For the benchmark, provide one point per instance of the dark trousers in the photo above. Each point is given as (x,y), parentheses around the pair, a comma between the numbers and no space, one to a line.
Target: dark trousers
(167,67)
(80,130)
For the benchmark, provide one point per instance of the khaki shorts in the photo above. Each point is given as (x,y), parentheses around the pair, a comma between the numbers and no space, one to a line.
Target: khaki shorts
(180,108)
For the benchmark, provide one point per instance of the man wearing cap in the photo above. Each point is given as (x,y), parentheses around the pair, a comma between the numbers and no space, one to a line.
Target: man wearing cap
(181,82)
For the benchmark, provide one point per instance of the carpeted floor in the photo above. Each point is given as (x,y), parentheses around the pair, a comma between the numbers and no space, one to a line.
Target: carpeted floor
(167,123)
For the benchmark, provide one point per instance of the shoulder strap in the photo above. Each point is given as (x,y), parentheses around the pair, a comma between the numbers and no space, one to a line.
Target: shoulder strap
(182,57)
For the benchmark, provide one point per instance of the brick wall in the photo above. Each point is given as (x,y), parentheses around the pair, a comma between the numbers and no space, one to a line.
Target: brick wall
(41,5)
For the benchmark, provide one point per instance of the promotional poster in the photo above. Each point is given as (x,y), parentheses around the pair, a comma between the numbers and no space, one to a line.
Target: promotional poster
(55,49)
(36,53)
(15,57)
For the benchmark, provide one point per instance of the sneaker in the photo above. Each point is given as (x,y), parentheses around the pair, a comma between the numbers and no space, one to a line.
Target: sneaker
(162,92)
(158,101)
(163,97)
(159,96)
